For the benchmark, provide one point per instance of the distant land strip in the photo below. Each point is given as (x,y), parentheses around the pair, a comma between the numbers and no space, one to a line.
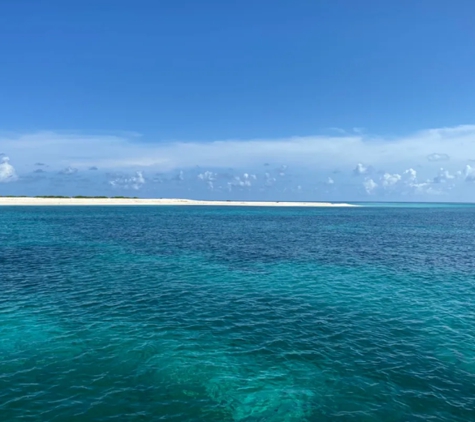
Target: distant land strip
(123,200)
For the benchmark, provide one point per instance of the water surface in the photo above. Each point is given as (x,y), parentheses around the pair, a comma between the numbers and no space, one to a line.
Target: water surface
(237,314)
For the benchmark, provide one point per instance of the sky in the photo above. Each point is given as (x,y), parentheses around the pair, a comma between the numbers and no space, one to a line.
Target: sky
(337,100)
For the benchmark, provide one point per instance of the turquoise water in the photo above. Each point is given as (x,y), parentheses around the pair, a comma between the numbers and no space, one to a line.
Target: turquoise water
(235,314)
(417,204)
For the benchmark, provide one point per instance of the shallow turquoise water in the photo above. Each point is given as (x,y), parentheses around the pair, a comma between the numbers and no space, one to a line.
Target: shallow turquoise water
(233,314)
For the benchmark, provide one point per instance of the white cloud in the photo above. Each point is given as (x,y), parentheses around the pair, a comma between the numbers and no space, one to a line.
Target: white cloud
(360,169)
(443,176)
(134,182)
(370,185)
(425,188)
(269,179)
(408,183)
(209,177)
(409,175)
(404,165)
(390,179)
(120,152)
(179,177)
(469,173)
(438,157)
(7,171)
(69,171)
(244,181)
(282,169)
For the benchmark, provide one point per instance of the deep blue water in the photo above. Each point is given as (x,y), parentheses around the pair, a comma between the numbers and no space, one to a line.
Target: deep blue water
(237,314)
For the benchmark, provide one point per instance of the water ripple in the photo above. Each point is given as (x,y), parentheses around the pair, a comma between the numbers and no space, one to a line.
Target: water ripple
(237,315)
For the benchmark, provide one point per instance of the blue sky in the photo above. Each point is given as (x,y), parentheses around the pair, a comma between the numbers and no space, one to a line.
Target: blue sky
(302,100)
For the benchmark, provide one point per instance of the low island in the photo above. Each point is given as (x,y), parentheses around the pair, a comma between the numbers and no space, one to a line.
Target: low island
(82,200)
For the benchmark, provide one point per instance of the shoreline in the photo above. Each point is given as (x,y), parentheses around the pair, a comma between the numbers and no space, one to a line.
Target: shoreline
(27,201)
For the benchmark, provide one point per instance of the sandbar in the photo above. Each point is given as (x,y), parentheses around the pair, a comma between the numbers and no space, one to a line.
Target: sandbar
(27,201)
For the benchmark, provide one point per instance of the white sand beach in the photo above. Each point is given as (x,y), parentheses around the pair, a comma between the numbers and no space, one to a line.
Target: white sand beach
(162,201)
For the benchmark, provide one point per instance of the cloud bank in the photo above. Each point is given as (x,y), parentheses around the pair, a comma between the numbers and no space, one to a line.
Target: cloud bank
(434,162)
(7,172)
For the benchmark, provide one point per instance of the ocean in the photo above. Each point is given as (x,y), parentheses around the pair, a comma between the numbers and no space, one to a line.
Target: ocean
(237,314)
